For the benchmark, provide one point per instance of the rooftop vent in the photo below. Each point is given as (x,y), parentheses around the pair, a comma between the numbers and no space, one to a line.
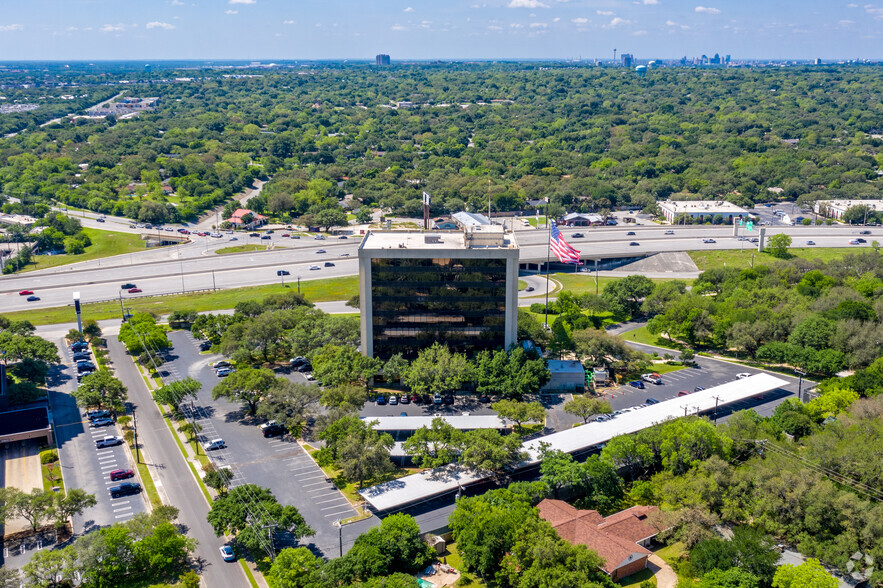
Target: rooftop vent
(432,239)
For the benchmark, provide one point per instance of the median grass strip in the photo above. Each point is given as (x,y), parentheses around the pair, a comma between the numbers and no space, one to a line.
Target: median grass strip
(241,249)
(316,290)
(51,470)
(104,244)
(742,259)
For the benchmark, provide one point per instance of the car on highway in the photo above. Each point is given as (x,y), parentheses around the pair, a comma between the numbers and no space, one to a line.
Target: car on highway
(860,240)
(233,239)
(295,236)
(124,489)
(253,235)
(25,292)
(853,242)
(100,220)
(266,237)
(109,441)
(101,422)
(634,244)
(653,378)
(283,273)
(810,242)
(754,239)
(227,553)
(127,285)
(669,232)
(343,237)
(741,375)
(709,241)
(121,475)
(314,267)
(224,372)
(320,251)
(577,236)
(637,384)
(270,232)
(630,234)
(134,290)
(864,232)
(329,264)
(214,444)
(32,298)
(319,237)
(529,289)
(216,235)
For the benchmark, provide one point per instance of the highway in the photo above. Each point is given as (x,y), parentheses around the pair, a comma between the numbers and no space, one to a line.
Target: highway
(195,266)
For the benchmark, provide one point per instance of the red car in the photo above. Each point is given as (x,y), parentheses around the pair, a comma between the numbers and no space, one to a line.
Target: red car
(25,292)
(286,234)
(134,290)
(121,475)
(683,393)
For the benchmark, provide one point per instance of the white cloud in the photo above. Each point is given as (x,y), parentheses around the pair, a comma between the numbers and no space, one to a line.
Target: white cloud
(397,27)
(604,12)
(556,19)
(11,27)
(527,4)
(231,12)
(160,25)
(177,3)
(242,2)
(579,20)
(109,28)
(651,2)
(494,28)
(707,10)
(515,25)
(409,9)
(288,22)
(852,5)
(639,33)
(845,23)
(874,11)
(619,21)
(538,25)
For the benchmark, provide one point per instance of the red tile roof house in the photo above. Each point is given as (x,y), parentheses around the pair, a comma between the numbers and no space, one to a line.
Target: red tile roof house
(236,219)
(620,538)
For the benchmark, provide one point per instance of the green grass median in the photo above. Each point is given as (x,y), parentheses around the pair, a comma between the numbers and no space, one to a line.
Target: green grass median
(104,244)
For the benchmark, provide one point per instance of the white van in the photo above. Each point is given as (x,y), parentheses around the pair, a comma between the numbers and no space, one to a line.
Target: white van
(214,444)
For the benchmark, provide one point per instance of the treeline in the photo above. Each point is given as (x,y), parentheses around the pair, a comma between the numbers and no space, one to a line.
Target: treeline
(588,138)
(28,358)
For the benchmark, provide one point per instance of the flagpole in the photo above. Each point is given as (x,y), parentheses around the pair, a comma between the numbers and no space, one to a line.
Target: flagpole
(548,261)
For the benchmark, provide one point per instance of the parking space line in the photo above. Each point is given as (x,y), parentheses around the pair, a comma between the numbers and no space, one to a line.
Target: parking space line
(329,500)
(314,484)
(331,514)
(309,477)
(124,515)
(324,495)
(317,490)
(122,509)
(331,507)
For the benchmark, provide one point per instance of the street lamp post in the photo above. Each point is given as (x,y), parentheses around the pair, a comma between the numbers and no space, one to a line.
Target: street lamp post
(800,374)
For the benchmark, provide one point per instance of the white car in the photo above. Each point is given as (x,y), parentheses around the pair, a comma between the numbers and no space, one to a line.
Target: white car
(315,267)
(743,375)
(108,442)
(214,444)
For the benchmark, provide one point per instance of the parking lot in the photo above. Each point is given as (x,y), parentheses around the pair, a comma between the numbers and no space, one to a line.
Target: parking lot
(279,464)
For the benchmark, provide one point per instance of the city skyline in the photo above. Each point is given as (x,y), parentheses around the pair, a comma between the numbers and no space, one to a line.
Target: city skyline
(417,29)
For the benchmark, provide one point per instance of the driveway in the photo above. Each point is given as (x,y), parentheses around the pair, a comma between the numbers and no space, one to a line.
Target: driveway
(665,576)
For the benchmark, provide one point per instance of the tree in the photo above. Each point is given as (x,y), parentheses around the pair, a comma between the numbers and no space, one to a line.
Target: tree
(247,386)
(237,513)
(164,550)
(74,502)
(396,546)
(191,429)
(520,412)
(778,245)
(334,365)
(217,478)
(434,446)
(290,404)
(437,371)
(731,578)
(51,568)
(100,389)
(174,393)
(809,574)
(625,295)
(364,455)
(597,347)
(394,367)
(509,374)
(9,578)
(35,507)
(141,334)
(486,450)
(294,568)
(586,407)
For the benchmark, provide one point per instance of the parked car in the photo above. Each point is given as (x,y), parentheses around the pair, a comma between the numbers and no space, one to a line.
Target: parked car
(393,400)
(121,475)
(306,367)
(82,356)
(381,400)
(227,553)
(97,413)
(683,393)
(214,444)
(404,399)
(205,345)
(222,364)
(448,399)
(437,398)
(134,290)
(79,346)
(124,489)
(272,429)
(652,378)
(651,401)
(742,375)
(109,441)
(484,398)
(297,361)
(417,398)
(102,421)
(33,298)
(283,273)
(126,286)
(637,384)
(83,366)
(224,372)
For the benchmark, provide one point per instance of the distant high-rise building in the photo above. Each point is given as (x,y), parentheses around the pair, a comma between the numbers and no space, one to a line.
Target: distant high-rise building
(817,61)
(727,59)
(627,60)
(382,59)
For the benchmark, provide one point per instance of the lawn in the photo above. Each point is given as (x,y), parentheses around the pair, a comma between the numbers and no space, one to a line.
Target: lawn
(51,471)
(642,335)
(468,580)
(581,283)
(636,579)
(741,259)
(241,249)
(533,220)
(104,244)
(318,290)
(675,556)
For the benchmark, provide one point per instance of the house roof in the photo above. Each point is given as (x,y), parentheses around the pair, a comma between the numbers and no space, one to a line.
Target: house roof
(614,537)
(241,212)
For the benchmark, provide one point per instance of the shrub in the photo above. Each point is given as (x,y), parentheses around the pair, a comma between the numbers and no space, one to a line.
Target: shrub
(49,456)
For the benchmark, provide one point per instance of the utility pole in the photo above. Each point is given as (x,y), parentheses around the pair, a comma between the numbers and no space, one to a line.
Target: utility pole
(717,400)
(800,374)
(182,277)
(214,286)
(298,284)
(135,426)
(339,536)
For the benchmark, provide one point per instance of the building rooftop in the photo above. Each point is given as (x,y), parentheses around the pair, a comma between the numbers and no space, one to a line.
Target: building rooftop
(22,421)
(565,366)
(702,206)
(416,487)
(471,219)
(461,422)
(490,236)
(876,205)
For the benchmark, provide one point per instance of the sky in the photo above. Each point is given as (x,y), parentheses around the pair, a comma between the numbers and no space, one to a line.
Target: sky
(71,30)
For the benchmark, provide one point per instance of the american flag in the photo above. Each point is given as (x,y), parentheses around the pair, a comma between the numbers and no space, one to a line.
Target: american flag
(564,252)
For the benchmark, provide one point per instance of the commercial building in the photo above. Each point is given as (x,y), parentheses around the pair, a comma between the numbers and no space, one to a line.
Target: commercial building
(470,219)
(704,210)
(568,375)
(27,423)
(457,288)
(836,208)
(382,59)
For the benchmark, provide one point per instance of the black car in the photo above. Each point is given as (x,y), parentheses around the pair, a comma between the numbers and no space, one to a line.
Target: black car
(266,237)
(329,264)
(127,285)
(273,430)
(864,232)
(85,367)
(270,232)
(82,356)
(860,240)
(448,399)
(307,367)
(484,398)
(630,234)
(283,273)
(205,345)
(125,489)
(577,235)
(79,346)
(651,401)
(634,244)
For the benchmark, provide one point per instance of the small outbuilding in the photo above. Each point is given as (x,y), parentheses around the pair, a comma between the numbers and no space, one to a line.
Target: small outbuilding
(568,375)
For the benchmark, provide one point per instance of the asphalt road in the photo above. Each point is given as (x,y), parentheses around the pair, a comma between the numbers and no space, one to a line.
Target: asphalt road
(195,266)
(174,479)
